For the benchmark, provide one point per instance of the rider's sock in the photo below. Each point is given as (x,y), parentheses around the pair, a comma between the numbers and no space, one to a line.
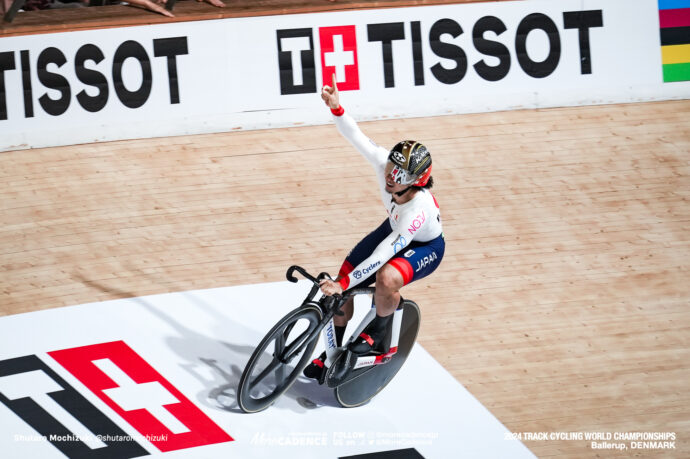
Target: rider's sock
(339,333)
(378,325)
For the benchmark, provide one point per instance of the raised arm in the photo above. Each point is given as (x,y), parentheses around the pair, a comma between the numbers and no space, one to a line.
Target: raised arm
(348,128)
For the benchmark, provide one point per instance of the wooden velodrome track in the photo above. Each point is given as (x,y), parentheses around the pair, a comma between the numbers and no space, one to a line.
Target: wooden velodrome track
(562,301)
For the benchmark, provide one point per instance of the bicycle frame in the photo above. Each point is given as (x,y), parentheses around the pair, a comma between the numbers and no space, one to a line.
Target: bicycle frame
(330,306)
(332,351)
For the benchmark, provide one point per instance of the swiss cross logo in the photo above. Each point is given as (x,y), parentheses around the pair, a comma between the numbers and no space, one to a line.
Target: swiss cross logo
(138,393)
(125,382)
(339,56)
(297,60)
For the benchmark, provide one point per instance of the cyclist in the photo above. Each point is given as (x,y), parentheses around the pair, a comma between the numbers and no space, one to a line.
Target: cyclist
(407,246)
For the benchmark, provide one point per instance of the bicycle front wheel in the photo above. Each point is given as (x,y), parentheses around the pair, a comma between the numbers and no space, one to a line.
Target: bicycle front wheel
(278,359)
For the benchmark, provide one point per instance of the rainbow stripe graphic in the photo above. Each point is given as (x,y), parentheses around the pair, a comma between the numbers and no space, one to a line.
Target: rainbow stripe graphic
(674,21)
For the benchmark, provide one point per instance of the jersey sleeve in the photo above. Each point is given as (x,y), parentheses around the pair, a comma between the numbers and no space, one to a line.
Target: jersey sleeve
(390,246)
(393,244)
(348,128)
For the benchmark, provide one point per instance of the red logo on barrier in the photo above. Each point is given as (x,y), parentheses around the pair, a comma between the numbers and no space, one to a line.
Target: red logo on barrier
(339,55)
(134,390)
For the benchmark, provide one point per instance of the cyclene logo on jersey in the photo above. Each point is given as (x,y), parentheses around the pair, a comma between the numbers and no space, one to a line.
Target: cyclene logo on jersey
(358,274)
(434,51)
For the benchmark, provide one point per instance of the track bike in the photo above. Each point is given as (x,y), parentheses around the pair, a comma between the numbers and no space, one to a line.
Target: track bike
(288,347)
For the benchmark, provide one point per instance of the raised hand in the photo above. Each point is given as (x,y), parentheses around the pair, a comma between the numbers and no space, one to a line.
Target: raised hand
(330,95)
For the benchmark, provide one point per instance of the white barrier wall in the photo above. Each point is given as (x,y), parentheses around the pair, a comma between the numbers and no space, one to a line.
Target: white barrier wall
(265,72)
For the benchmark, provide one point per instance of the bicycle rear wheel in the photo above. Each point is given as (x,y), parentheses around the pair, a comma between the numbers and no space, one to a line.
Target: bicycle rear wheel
(271,369)
(365,383)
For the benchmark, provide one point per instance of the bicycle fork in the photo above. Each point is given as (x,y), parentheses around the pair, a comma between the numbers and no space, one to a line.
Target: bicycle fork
(331,345)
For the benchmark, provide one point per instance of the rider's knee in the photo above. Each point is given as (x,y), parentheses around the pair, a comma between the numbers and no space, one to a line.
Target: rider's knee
(389,278)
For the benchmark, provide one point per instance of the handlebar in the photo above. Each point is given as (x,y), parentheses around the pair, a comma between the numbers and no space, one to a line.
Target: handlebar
(291,277)
(317,280)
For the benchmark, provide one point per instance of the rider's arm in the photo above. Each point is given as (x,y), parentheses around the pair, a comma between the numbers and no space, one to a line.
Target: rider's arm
(348,128)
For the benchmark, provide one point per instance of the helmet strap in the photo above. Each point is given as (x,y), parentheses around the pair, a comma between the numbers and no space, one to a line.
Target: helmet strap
(400,193)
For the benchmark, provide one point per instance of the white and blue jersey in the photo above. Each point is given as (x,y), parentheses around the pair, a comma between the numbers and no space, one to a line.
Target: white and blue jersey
(411,239)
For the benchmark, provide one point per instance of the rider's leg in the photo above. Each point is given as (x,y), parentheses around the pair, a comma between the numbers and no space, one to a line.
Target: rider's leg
(313,370)
(389,281)
(349,309)
(340,322)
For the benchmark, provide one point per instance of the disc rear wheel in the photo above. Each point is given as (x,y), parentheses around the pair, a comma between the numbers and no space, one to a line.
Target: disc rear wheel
(364,383)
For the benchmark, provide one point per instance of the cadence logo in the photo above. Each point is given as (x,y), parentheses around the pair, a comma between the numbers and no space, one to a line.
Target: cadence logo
(338,45)
(125,382)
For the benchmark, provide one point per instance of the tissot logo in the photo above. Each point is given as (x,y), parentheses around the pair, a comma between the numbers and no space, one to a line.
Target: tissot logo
(296,61)
(58,412)
(339,56)
(89,63)
(438,48)
(125,382)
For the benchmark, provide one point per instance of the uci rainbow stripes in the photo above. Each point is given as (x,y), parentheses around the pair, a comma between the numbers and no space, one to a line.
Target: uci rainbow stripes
(674,24)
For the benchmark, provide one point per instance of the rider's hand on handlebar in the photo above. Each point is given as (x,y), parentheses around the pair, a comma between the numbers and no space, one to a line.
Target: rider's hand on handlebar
(330,95)
(330,287)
